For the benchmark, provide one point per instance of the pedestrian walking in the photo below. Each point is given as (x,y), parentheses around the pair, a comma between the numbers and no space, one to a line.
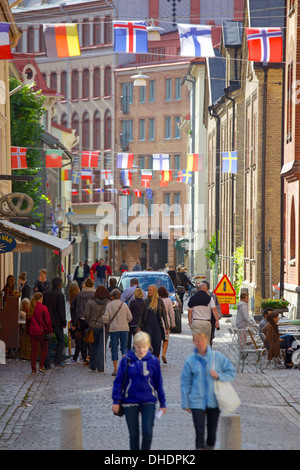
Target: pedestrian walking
(118,316)
(100,277)
(154,319)
(163,294)
(112,284)
(123,267)
(128,293)
(200,307)
(23,286)
(38,324)
(78,321)
(94,317)
(205,285)
(137,266)
(140,375)
(135,308)
(42,284)
(55,302)
(198,376)
(79,274)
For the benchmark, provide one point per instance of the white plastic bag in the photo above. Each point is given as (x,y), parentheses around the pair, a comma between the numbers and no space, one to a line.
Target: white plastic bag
(228,399)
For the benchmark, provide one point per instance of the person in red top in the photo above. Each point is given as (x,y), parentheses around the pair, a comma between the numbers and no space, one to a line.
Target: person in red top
(38,323)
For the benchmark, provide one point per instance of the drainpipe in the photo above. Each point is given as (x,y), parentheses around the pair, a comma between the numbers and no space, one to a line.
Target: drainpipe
(232,184)
(217,191)
(263,179)
(193,81)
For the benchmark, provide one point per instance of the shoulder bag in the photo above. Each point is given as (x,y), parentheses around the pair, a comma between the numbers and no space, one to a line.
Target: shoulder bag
(89,334)
(228,399)
(121,409)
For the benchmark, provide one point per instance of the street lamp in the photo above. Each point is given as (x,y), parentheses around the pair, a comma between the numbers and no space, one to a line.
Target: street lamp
(70,220)
(140,79)
(153,31)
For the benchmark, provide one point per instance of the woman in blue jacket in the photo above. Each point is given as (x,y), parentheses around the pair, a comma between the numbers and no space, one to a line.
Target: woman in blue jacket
(142,387)
(199,373)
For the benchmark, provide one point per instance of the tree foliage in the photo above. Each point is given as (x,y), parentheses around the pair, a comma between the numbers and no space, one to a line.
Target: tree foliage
(26,108)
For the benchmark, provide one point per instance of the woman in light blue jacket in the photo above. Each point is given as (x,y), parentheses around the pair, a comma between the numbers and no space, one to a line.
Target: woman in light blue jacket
(199,373)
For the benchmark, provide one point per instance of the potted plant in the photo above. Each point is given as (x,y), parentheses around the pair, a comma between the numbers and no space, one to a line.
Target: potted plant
(280,305)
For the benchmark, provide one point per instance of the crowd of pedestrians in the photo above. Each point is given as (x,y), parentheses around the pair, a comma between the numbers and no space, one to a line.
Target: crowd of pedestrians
(137,324)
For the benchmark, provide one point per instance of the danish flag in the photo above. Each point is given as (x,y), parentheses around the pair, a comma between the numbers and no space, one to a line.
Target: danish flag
(264,44)
(18,158)
(137,192)
(89,159)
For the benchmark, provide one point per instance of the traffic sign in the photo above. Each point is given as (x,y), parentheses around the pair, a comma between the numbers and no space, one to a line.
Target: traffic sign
(225,291)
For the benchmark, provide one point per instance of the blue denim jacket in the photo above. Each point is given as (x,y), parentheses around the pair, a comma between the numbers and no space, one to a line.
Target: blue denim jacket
(197,384)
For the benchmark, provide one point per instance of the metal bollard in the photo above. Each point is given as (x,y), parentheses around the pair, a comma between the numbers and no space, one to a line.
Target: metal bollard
(71,429)
(230,430)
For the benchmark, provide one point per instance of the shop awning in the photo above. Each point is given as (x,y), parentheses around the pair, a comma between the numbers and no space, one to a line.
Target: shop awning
(24,234)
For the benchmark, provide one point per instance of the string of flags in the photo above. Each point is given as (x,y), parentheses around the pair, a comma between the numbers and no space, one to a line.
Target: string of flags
(62,40)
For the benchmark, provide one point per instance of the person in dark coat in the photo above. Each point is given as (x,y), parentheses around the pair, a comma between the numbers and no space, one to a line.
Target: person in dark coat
(135,308)
(55,302)
(152,317)
(24,287)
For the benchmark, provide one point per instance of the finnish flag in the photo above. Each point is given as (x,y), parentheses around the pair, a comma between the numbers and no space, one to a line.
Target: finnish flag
(195,40)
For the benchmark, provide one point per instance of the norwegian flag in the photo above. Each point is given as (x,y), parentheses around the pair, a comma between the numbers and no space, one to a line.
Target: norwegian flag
(137,192)
(90,159)
(130,36)
(125,160)
(264,44)
(18,158)
(126,192)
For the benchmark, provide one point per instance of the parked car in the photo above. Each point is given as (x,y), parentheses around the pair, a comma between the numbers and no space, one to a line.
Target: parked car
(158,278)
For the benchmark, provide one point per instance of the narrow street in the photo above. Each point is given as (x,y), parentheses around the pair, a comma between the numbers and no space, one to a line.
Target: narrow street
(30,406)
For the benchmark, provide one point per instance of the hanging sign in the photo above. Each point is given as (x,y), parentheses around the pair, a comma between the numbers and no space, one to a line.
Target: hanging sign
(7,243)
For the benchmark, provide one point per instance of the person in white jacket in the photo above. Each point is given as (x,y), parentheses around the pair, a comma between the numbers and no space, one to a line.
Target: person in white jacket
(243,319)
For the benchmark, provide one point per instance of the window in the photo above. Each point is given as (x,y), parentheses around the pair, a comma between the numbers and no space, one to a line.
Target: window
(107,130)
(167,203)
(293,232)
(150,163)
(168,89)
(97,131)
(142,129)
(127,91)
(177,165)
(75,125)
(30,39)
(142,163)
(85,33)
(75,85)
(151,128)
(177,129)
(107,81)
(167,128)
(177,208)
(86,83)
(127,133)
(152,90)
(85,132)
(107,30)
(97,31)
(142,94)
(63,84)
(64,120)
(178,88)
(96,83)
(53,81)
(41,40)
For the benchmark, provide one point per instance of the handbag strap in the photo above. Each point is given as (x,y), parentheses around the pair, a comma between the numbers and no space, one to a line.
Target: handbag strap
(116,313)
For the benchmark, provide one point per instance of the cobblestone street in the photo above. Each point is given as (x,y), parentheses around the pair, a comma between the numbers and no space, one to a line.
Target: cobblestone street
(30,406)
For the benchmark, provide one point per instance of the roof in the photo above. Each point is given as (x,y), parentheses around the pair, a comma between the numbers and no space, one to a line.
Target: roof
(35,237)
(232,32)
(266,13)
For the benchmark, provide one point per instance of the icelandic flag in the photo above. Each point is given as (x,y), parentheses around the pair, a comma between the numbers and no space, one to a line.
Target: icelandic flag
(229,162)
(125,160)
(195,40)
(130,36)
(161,162)
(264,44)
(5,52)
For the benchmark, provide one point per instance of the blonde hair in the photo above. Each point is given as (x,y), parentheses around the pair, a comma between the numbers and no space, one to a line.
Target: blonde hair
(37,296)
(201,334)
(141,337)
(154,298)
(23,276)
(73,291)
(138,293)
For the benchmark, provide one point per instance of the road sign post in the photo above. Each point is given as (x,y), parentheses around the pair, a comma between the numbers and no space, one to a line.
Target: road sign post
(226,294)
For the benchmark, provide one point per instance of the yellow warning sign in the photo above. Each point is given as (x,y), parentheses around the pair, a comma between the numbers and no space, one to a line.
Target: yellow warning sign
(225,291)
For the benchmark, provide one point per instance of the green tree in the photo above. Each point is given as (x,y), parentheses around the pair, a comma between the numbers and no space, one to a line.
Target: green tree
(238,257)
(210,254)
(26,108)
